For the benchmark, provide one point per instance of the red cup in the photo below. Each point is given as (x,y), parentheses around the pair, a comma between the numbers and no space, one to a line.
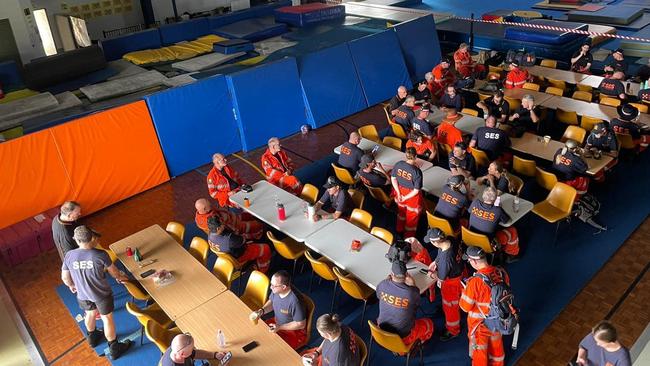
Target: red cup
(129,252)
(356,245)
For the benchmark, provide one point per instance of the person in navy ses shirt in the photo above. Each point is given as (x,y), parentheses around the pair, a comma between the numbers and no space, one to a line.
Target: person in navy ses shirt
(182,352)
(351,153)
(490,139)
(420,123)
(495,106)
(461,162)
(484,215)
(570,168)
(602,347)
(497,178)
(372,173)
(404,113)
(603,140)
(339,346)
(453,200)
(338,200)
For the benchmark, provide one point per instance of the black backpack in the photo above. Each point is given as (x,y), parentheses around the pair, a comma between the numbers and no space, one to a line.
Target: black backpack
(503,316)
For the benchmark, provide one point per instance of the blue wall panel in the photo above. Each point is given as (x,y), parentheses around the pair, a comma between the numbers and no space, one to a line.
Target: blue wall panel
(418,40)
(380,65)
(193,122)
(331,84)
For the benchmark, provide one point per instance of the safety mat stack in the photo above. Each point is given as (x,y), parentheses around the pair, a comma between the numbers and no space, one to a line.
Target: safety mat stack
(176,52)
(637,48)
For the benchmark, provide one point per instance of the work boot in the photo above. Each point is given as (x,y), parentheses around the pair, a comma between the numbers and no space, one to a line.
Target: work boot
(95,337)
(447,336)
(117,349)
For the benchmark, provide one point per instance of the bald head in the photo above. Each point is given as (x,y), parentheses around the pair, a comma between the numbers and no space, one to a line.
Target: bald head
(182,346)
(355,138)
(219,160)
(202,206)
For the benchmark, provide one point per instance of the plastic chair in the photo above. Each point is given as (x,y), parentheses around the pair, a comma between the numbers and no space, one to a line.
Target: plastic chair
(588,123)
(357,197)
(392,142)
(523,167)
(199,249)
(354,288)
(310,193)
(111,254)
(554,91)
(612,102)
(393,342)
(566,117)
(584,88)
(582,95)
(514,103)
(136,292)
(383,234)
(361,218)
(151,313)
(380,195)
(398,130)
(545,179)
(324,269)
(224,270)
(287,248)
(363,350)
(256,291)
(626,142)
(343,175)
(560,84)
(471,238)
(389,118)
(483,97)
(369,132)
(643,108)
(531,86)
(176,230)
(548,63)
(516,184)
(441,223)
(469,111)
(308,303)
(574,133)
(160,336)
(557,205)
(482,160)
(495,69)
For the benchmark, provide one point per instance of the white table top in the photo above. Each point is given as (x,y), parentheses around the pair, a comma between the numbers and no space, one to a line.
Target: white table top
(583,108)
(595,80)
(467,124)
(516,93)
(387,156)
(435,178)
(263,206)
(369,264)
(557,74)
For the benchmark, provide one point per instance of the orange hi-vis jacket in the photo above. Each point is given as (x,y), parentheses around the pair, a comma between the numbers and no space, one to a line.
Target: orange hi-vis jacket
(218,185)
(516,78)
(476,297)
(275,168)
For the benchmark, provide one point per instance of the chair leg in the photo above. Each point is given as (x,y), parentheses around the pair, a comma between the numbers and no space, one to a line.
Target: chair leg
(363,312)
(408,358)
(369,347)
(141,335)
(293,272)
(311,279)
(336,285)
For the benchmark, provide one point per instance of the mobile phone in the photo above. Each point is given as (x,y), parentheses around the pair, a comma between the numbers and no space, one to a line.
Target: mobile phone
(424,270)
(375,149)
(249,347)
(147,273)
(226,358)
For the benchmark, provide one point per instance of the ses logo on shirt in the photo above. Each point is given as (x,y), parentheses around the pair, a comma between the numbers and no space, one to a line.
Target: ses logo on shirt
(396,301)
(82,265)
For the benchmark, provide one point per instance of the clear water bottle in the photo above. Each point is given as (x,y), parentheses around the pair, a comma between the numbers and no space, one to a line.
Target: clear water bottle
(221,339)
(515,204)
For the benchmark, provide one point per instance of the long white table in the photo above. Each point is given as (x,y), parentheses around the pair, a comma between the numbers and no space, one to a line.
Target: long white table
(368,264)
(557,74)
(516,93)
(387,156)
(435,178)
(595,80)
(583,108)
(263,200)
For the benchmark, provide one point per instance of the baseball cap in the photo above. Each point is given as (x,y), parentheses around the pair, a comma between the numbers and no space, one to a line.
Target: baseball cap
(398,268)
(365,160)
(455,180)
(424,107)
(473,253)
(83,234)
(332,182)
(599,127)
(461,145)
(434,234)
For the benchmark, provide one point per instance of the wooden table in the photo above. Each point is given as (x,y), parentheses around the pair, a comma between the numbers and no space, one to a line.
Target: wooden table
(434,180)
(368,264)
(516,93)
(557,74)
(194,284)
(263,206)
(228,313)
(595,80)
(467,124)
(387,156)
(534,145)
(583,108)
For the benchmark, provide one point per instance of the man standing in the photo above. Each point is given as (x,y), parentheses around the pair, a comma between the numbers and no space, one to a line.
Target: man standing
(397,100)
(182,352)
(279,168)
(351,153)
(248,228)
(84,272)
(570,167)
(338,199)
(223,181)
(485,346)
(490,139)
(602,347)
(222,239)
(516,77)
(290,319)
(63,227)
(406,179)
(496,106)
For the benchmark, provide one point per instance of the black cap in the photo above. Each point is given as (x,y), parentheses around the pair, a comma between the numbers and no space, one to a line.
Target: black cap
(474,253)
(398,268)
(599,127)
(455,180)
(627,112)
(365,160)
(425,107)
(619,50)
(332,182)
(498,93)
(434,234)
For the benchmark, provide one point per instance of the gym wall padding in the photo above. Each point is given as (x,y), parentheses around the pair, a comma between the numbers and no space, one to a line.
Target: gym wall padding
(188,30)
(268,101)
(204,125)
(33,177)
(115,48)
(111,155)
(418,40)
(380,65)
(331,84)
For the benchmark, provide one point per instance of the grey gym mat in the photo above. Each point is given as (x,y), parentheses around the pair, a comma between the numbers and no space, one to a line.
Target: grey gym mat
(123,86)
(205,62)
(27,106)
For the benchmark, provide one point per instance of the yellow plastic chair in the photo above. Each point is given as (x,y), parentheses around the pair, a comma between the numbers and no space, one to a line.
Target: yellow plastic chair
(343,175)
(136,292)
(582,95)
(392,342)
(560,84)
(549,63)
(398,130)
(442,224)
(361,218)
(308,303)
(151,313)
(369,132)
(446,148)
(481,158)
(612,102)
(111,254)
(626,142)
(355,288)
(383,234)
(514,103)
(363,350)
(557,205)
(523,167)
(287,248)
(256,291)
(310,193)
(199,249)
(545,179)
(588,123)
(554,91)
(389,118)
(483,97)
(380,195)
(585,88)
(224,270)
(176,230)
(357,197)
(471,238)
(566,117)
(516,184)
(574,133)
(469,111)
(392,142)
(239,269)
(531,86)
(643,108)
(324,269)
(160,336)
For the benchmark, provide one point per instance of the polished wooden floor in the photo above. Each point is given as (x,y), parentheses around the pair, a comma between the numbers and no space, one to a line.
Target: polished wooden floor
(620,291)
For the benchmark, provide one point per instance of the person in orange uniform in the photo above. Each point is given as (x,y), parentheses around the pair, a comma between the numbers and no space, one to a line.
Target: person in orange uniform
(223,181)
(448,133)
(248,229)
(485,346)
(279,168)
(422,145)
(406,179)
(516,77)
(464,63)
(442,77)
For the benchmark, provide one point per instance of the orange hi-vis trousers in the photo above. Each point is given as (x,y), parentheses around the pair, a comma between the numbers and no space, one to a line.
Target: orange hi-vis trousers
(408,213)
(451,289)
(260,253)
(485,346)
(294,338)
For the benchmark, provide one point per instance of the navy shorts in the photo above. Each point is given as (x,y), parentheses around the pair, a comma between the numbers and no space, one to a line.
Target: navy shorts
(104,306)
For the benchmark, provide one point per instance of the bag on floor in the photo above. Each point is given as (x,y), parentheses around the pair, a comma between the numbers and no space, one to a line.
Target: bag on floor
(586,209)
(503,316)
(495,59)
(467,83)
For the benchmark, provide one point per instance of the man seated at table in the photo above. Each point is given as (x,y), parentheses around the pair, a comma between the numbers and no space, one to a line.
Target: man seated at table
(290,320)
(222,239)
(399,300)
(485,215)
(525,118)
(372,173)
(613,86)
(182,352)
(461,162)
(496,178)
(451,98)
(615,62)
(496,106)
(423,146)
(491,140)
(448,133)
(404,113)
(421,93)
(244,225)
(336,199)
(351,153)
(397,100)
(627,124)
(420,123)
(339,346)
(582,59)
(223,181)
(442,77)
(516,77)
(570,168)
(464,63)
(603,142)
(453,201)
(279,168)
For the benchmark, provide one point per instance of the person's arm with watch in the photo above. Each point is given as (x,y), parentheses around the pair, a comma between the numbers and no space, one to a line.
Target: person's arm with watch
(308,358)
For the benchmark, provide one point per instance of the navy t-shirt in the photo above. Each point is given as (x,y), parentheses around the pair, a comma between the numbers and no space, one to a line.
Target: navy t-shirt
(372,179)
(484,218)
(583,60)
(498,110)
(525,120)
(456,101)
(88,270)
(395,102)
(501,184)
(421,95)
(62,233)
(598,356)
(403,116)
(616,65)
(344,351)
(350,156)
(451,203)
(644,95)
(228,242)
(491,140)
(166,359)
(408,176)
(342,202)
(604,142)
(288,309)
(467,163)
(448,263)
(625,127)
(422,126)
(570,166)
(398,303)
(611,87)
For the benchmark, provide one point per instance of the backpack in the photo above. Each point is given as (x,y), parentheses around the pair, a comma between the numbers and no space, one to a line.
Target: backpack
(523,58)
(503,316)
(586,209)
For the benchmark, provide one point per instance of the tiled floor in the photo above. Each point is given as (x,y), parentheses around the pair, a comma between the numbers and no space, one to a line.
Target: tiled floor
(32,284)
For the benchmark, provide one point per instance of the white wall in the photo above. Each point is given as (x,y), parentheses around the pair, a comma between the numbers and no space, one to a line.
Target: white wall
(27,39)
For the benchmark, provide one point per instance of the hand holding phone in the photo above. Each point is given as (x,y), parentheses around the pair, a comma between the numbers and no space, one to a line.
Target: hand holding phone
(225,359)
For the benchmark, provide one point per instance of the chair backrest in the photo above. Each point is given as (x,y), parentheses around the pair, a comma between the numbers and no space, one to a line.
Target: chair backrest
(554,91)
(110,253)
(585,88)
(516,184)
(523,167)
(562,197)
(398,130)
(385,108)
(140,315)
(588,123)
(343,174)
(257,290)
(308,303)
(560,84)
(548,63)
(574,133)
(514,103)
(176,230)
(369,132)
(531,86)
(482,160)
(363,349)
(391,341)
(199,249)
(495,69)
(582,95)
(545,179)
(361,218)
(440,223)
(625,141)
(310,193)
(471,238)
(224,270)
(286,250)
(392,142)
(483,97)
(383,234)
(135,291)
(612,102)
(357,197)
(469,111)
(379,194)
(351,285)
(643,108)
(320,267)
(160,336)
(567,117)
